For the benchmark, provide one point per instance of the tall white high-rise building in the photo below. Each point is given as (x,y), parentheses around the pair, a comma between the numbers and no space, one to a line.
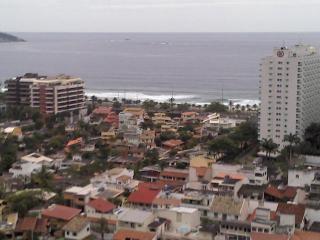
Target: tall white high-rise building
(289,92)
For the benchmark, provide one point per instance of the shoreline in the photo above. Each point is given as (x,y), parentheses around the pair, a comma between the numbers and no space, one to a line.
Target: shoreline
(179,98)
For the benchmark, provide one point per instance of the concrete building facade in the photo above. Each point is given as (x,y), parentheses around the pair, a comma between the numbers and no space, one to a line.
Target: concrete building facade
(289,92)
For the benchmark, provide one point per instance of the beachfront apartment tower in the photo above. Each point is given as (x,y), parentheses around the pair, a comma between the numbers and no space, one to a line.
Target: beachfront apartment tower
(289,92)
(51,95)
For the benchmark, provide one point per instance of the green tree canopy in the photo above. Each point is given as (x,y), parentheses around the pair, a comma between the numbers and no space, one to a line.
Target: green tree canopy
(216,107)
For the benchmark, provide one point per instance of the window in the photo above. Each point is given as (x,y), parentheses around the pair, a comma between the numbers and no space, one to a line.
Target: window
(297,176)
(74,234)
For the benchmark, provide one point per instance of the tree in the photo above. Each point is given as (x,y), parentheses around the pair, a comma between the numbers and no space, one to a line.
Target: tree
(167,136)
(116,105)
(23,201)
(223,146)
(151,156)
(183,107)
(149,105)
(245,133)
(94,100)
(216,107)
(292,140)
(43,179)
(268,146)
(8,153)
(185,136)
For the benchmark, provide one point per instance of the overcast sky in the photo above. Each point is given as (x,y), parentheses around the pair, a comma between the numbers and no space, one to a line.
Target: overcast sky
(159,15)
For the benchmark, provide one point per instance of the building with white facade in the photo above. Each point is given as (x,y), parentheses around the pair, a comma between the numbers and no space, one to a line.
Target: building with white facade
(51,95)
(289,92)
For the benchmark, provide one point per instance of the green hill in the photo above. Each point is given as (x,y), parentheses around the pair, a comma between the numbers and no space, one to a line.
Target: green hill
(4,37)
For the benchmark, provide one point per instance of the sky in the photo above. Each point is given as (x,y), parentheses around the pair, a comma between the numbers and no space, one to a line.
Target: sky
(159,15)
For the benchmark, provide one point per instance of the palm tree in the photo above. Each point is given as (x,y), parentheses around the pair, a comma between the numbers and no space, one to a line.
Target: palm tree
(238,107)
(255,107)
(293,140)
(94,99)
(268,146)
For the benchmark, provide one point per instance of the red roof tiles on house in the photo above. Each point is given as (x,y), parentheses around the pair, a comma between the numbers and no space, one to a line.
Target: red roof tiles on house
(305,235)
(124,234)
(287,193)
(101,205)
(74,142)
(145,194)
(26,224)
(102,110)
(60,212)
(172,143)
(296,209)
(268,236)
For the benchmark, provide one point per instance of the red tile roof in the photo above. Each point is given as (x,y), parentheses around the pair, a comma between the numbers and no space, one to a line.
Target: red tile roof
(297,209)
(42,225)
(74,142)
(124,234)
(287,193)
(102,110)
(189,113)
(101,205)
(26,224)
(172,143)
(60,212)
(145,194)
(305,235)
(235,176)
(268,236)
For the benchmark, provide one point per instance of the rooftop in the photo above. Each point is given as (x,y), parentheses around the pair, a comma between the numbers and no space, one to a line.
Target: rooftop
(101,205)
(183,209)
(145,194)
(36,158)
(172,143)
(76,224)
(296,209)
(124,234)
(60,212)
(226,205)
(134,215)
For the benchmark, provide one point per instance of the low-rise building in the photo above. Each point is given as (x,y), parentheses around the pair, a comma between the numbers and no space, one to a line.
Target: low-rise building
(59,215)
(125,234)
(134,219)
(182,221)
(99,208)
(77,229)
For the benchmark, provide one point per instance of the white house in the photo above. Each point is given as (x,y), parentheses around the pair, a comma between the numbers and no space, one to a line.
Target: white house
(301,178)
(24,169)
(182,219)
(77,229)
(134,219)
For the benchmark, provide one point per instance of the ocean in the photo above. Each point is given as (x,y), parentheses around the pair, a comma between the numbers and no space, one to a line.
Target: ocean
(194,67)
